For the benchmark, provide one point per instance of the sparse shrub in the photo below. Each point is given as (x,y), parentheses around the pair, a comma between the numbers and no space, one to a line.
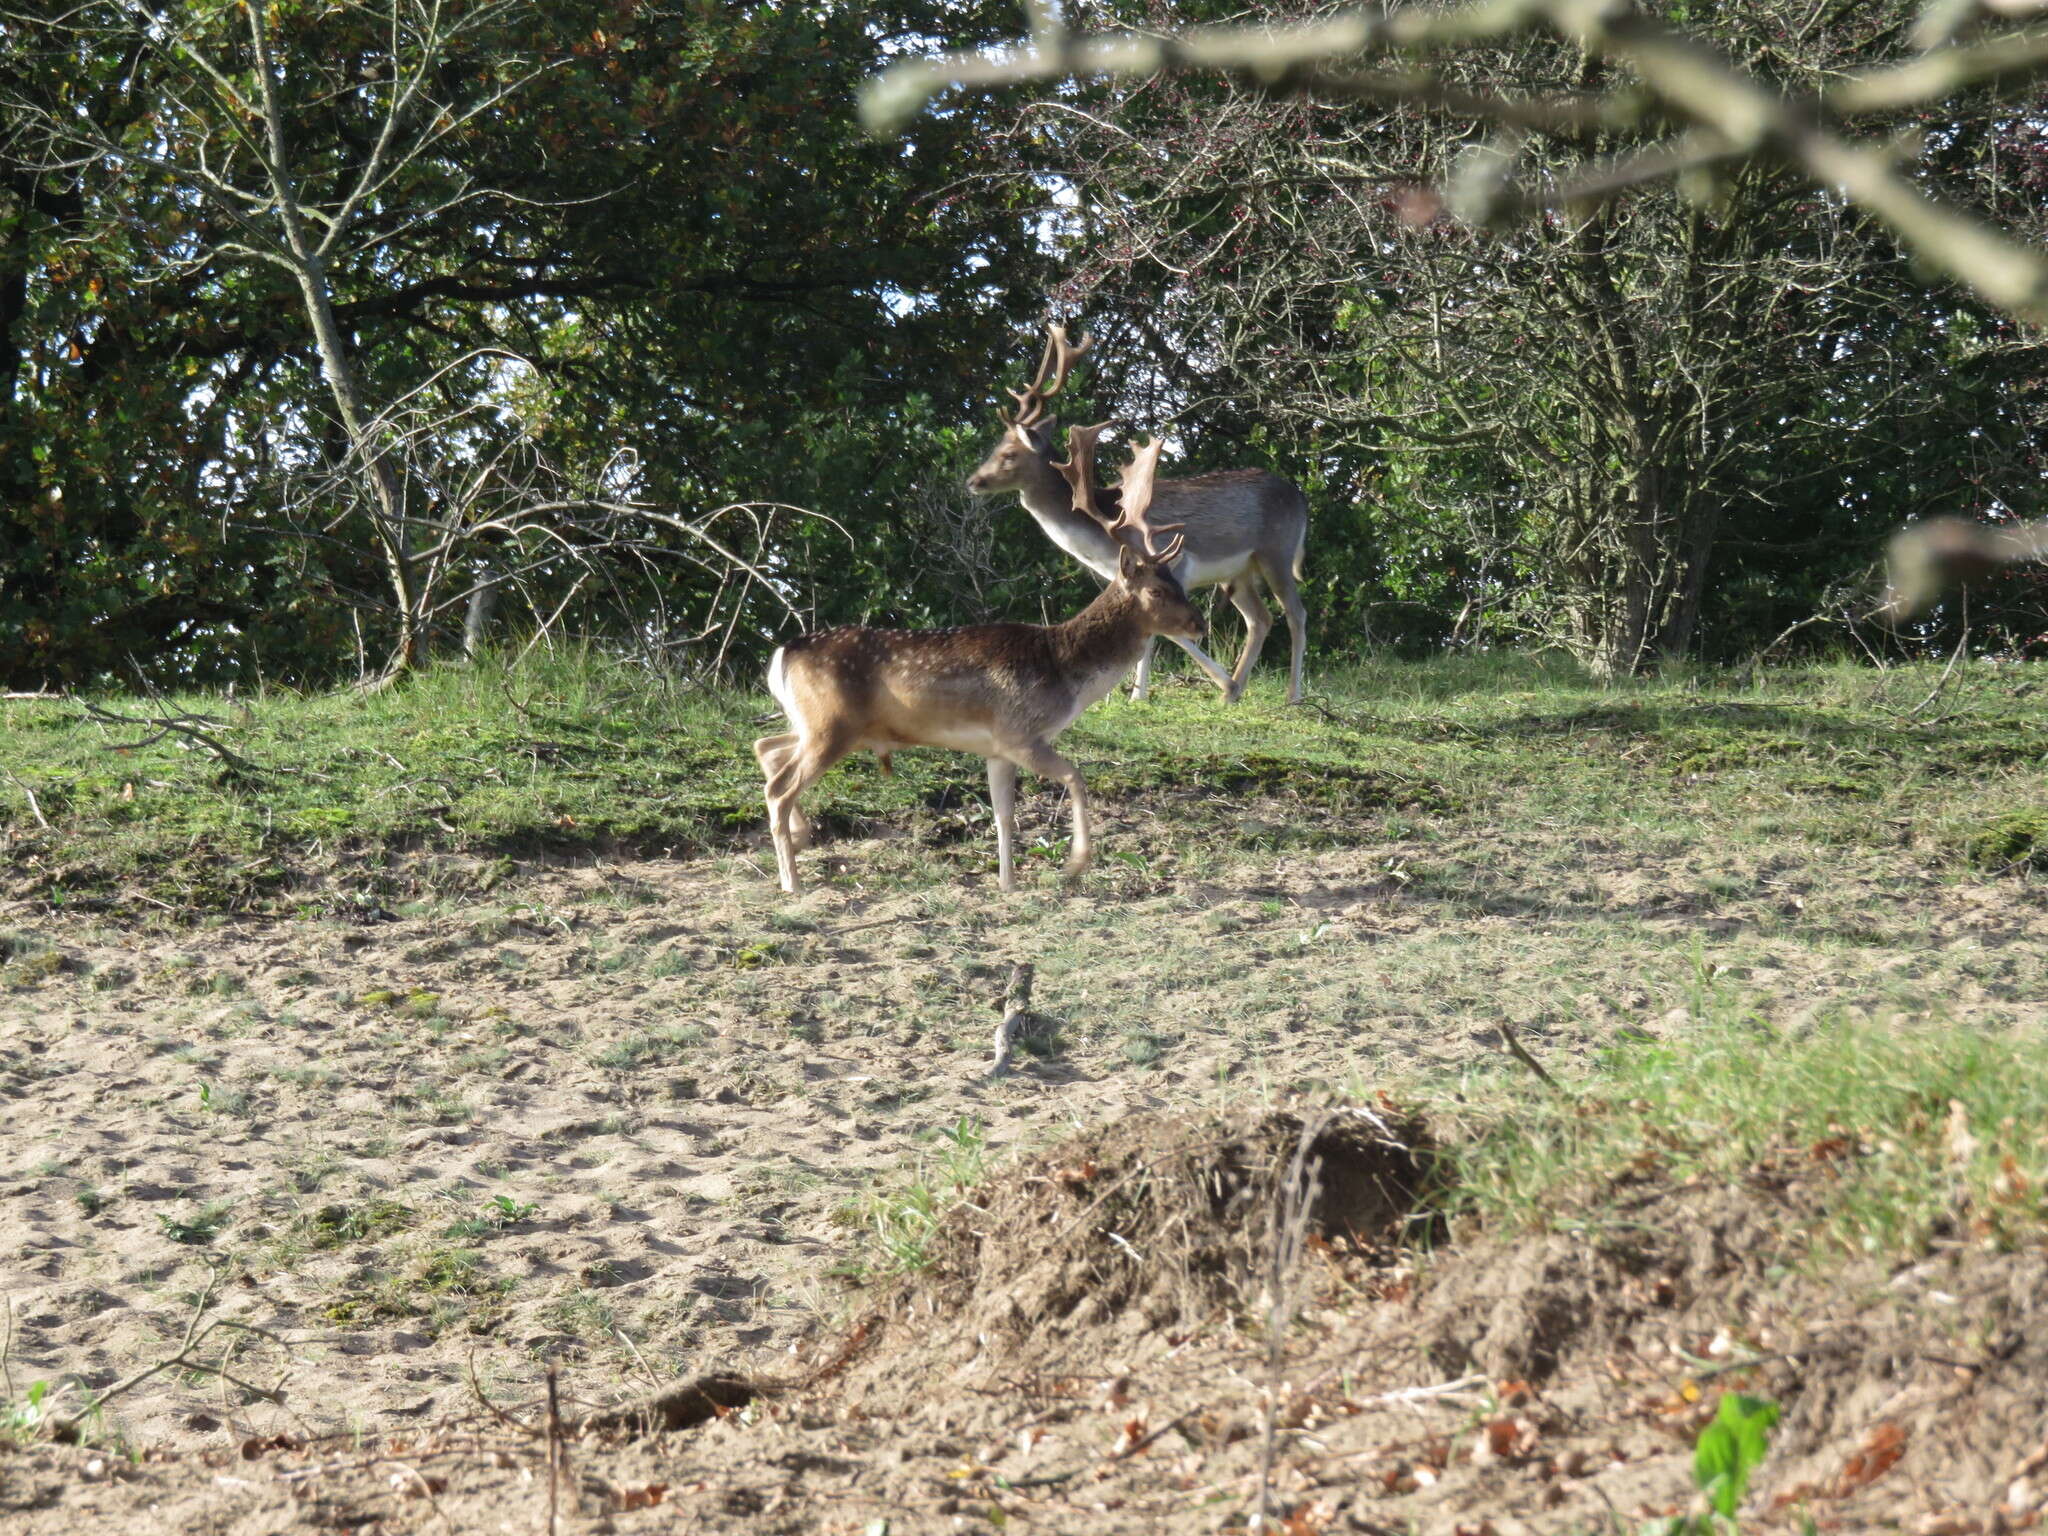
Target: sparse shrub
(337,1226)
(649,1048)
(2015,841)
(200,1228)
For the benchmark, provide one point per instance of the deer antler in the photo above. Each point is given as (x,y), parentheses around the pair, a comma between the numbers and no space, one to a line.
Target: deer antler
(1079,469)
(1133,525)
(1058,358)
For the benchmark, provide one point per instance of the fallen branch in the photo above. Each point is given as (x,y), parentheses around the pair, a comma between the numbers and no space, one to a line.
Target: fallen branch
(1521,1053)
(192,728)
(34,809)
(185,1357)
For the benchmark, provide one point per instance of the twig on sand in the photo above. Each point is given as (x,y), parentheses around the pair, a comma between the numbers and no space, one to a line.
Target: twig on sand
(34,809)
(1421,1394)
(1520,1052)
(477,1390)
(554,1450)
(185,1357)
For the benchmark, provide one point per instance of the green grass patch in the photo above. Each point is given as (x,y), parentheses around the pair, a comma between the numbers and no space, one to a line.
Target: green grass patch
(1886,1134)
(2014,841)
(437,787)
(900,1215)
(650,1048)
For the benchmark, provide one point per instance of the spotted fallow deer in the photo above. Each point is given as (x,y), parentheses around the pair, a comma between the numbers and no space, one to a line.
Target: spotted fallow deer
(1004,691)
(1240,526)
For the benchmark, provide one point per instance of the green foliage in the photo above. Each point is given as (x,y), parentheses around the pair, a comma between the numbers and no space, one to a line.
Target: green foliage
(25,1416)
(2017,840)
(199,1228)
(344,1226)
(668,207)
(902,1217)
(1732,1447)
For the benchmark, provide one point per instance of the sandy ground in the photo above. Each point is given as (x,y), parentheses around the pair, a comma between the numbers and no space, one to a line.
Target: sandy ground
(619,1116)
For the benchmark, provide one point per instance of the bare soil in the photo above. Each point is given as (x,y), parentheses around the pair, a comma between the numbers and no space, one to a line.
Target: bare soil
(616,1117)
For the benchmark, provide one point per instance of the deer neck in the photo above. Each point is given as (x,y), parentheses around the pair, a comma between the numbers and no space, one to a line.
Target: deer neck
(1050,501)
(1101,643)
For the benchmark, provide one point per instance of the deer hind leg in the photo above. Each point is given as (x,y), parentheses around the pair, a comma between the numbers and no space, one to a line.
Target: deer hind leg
(1258,623)
(1002,794)
(797,769)
(772,750)
(1041,759)
(1279,576)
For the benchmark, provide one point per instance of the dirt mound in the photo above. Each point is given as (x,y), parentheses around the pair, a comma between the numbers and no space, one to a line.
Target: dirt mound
(1155,1221)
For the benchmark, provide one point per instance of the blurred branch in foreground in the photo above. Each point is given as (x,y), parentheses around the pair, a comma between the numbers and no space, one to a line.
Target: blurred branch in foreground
(1724,113)
(1929,558)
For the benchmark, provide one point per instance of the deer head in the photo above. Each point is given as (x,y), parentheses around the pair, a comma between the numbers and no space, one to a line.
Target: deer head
(1028,430)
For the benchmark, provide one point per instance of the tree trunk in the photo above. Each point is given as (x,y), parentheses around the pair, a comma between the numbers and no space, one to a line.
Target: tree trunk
(309,267)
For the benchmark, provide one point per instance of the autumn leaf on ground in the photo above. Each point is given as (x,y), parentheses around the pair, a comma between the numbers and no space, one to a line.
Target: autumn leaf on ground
(1880,1453)
(639,1495)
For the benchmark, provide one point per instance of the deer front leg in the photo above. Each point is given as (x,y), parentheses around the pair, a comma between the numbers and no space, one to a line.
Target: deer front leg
(1042,760)
(1002,794)
(1222,679)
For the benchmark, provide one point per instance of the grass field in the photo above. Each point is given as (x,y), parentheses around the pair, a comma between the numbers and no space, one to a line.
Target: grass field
(460,1029)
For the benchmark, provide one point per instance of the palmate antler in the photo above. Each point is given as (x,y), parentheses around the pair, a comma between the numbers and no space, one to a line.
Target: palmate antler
(1132,524)
(1057,360)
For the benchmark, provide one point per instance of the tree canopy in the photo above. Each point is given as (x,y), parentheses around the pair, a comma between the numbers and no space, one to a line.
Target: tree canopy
(323,322)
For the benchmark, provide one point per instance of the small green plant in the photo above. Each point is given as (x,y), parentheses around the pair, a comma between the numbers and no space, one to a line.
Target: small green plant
(232,1102)
(753,956)
(649,1048)
(198,1229)
(1142,1048)
(22,1419)
(1732,1447)
(498,1213)
(2017,840)
(903,1221)
(338,1226)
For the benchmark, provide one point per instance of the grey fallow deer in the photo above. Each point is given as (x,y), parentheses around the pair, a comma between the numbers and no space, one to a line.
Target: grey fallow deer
(1241,526)
(1004,691)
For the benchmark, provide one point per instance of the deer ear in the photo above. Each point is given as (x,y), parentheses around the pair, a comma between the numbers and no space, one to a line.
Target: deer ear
(1127,562)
